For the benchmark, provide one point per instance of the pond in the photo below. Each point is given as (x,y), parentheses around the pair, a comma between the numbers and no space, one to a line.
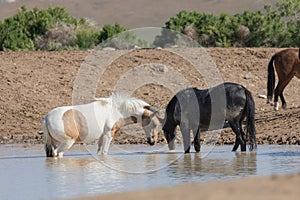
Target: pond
(26,172)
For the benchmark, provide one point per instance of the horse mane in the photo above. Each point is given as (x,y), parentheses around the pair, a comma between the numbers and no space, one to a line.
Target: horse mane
(126,103)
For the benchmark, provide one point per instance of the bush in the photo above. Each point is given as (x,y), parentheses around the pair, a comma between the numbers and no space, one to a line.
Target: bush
(269,28)
(55,29)
(61,36)
(14,37)
(21,30)
(51,29)
(108,31)
(119,38)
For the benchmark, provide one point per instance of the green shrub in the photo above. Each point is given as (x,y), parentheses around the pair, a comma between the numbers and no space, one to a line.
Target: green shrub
(267,27)
(20,31)
(87,35)
(119,38)
(61,36)
(108,31)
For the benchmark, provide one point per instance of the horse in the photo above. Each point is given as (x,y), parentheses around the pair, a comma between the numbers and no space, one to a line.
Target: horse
(287,65)
(203,110)
(100,119)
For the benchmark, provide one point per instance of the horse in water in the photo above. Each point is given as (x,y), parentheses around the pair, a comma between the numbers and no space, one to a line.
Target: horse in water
(287,65)
(101,119)
(203,110)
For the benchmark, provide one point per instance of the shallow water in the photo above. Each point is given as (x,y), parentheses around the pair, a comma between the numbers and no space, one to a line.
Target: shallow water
(26,172)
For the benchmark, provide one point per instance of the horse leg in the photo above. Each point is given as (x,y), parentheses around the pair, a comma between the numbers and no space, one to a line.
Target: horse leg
(171,143)
(197,145)
(236,143)
(51,149)
(100,145)
(185,130)
(107,138)
(279,92)
(282,100)
(239,140)
(62,147)
(243,136)
(170,135)
(276,94)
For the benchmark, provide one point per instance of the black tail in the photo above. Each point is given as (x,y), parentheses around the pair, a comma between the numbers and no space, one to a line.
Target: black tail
(169,123)
(250,124)
(271,78)
(299,54)
(47,138)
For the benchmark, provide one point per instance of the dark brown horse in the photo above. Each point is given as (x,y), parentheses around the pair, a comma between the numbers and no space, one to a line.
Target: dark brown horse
(287,65)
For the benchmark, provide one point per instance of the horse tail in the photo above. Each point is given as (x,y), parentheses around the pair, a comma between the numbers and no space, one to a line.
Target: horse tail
(169,123)
(299,54)
(271,79)
(250,123)
(47,138)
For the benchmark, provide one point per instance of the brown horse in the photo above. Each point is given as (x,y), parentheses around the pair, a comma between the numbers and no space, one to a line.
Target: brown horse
(287,65)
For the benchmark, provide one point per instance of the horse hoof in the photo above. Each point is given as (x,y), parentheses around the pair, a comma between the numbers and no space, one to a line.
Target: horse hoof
(187,151)
(197,149)
(276,106)
(284,106)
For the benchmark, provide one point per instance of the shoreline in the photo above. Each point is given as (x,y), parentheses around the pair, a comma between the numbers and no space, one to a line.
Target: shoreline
(269,139)
(266,187)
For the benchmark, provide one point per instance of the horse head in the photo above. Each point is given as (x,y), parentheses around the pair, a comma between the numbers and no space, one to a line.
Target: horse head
(151,123)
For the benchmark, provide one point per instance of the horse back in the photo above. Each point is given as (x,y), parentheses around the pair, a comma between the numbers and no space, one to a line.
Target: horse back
(226,101)
(286,62)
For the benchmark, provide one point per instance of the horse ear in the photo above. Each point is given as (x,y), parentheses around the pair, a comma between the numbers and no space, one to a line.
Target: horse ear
(151,108)
(159,114)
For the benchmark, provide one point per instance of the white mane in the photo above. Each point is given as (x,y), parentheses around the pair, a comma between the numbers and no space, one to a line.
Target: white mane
(127,104)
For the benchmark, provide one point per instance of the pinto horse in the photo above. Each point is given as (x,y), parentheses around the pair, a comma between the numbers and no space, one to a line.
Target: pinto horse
(191,109)
(287,65)
(101,119)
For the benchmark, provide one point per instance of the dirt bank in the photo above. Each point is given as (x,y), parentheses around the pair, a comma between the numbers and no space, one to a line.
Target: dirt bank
(275,187)
(33,83)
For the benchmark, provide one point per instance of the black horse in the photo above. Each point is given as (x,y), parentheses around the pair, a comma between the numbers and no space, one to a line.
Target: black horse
(203,110)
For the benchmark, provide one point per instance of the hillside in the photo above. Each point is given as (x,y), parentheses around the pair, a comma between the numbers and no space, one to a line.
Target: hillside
(135,13)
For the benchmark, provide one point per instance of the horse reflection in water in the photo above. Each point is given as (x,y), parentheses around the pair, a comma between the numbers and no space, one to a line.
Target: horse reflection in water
(191,165)
(101,119)
(203,110)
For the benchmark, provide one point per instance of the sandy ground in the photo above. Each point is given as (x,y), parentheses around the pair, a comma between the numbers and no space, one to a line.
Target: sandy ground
(33,83)
(275,187)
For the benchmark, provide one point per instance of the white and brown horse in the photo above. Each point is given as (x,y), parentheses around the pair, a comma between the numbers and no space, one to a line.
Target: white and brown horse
(101,119)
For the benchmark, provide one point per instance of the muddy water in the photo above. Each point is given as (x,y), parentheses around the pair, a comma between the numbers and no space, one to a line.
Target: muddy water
(26,172)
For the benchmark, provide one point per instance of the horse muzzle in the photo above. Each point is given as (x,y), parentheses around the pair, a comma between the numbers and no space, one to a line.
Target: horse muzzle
(150,141)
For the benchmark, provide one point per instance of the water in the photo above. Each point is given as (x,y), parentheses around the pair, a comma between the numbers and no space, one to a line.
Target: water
(26,172)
